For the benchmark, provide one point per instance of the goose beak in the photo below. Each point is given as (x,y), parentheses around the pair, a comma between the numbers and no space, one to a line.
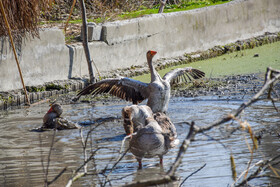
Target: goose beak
(153,53)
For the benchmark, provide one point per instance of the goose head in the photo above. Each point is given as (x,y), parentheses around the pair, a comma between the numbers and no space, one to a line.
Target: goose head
(150,55)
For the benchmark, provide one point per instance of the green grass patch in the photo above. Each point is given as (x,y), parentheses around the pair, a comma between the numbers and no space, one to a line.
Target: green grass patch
(183,6)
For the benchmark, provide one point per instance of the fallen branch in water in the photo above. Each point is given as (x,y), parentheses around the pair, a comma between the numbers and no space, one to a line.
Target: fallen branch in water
(263,165)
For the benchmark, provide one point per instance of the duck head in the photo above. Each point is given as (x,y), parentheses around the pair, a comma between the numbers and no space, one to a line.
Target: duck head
(56,108)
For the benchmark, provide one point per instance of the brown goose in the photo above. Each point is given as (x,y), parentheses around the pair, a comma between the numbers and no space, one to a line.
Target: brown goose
(154,139)
(53,120)
(157,91)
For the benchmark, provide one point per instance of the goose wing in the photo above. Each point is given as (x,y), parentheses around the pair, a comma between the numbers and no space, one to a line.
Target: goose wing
(124,88)
(187,74)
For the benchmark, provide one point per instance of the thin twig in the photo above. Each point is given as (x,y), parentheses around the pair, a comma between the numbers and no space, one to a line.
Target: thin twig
(56,177)
(263,165)
(76,173)
(84,149)
(119,159)
(68,19)
(183,148)
(192,174)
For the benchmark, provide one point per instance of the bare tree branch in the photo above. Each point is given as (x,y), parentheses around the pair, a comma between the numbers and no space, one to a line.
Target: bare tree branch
(84,149)
(59,175)
(76,173)
(183,149)
(262,166)
(85,42)
(120,158)
(162,5)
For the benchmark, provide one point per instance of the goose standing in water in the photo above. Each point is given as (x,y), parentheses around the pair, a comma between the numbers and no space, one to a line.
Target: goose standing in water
(157,91)
(154,139)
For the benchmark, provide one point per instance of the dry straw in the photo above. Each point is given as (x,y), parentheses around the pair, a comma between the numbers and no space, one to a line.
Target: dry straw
(23,17)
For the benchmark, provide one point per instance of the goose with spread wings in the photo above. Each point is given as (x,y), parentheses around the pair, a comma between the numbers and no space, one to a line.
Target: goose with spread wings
(157,91)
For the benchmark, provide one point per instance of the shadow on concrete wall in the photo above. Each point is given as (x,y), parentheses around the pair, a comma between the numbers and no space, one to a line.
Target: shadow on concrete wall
(71,58)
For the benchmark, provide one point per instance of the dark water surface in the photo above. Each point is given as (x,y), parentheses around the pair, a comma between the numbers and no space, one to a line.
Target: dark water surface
(23,152)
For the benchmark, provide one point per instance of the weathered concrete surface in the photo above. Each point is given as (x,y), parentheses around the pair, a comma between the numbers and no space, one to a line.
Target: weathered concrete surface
(174,34)
(124,43)
(41,61)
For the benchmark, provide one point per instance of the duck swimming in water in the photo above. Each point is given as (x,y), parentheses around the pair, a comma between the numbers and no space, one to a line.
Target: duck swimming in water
(157,91)
(53,120)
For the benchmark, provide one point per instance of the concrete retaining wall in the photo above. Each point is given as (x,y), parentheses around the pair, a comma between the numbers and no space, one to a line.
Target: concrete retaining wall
(124,43)
(41,60)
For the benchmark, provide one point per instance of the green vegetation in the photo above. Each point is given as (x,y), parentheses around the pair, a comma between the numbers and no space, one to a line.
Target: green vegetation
(184,5)
(35,88)
(70,38)
(239,62)
(143,10)
(53,86)
(47,87)
(123,12)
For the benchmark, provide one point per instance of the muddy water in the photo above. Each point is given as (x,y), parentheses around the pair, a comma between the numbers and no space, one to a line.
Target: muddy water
(23,152)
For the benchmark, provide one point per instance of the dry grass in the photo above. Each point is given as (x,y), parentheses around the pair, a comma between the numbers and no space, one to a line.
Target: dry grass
(23,17)
(95,8)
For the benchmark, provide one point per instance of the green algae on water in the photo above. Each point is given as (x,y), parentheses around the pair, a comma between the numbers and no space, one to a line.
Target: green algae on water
(247,61)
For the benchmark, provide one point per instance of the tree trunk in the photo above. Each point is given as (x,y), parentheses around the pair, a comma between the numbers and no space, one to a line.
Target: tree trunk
(162,5)
(85,42)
